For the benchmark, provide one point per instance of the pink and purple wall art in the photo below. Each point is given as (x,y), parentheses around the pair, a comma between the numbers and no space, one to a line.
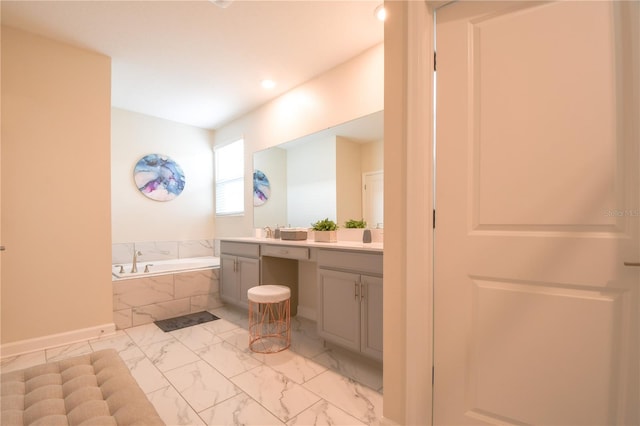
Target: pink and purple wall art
(158,177)
(261,188)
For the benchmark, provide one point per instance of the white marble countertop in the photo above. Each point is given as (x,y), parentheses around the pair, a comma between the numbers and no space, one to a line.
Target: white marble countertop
(338,245)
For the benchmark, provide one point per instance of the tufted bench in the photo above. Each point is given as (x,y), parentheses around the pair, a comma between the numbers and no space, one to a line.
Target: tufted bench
(88,390)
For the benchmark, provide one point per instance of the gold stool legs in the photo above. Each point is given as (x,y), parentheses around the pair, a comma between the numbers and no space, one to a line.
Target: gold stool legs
(269,326)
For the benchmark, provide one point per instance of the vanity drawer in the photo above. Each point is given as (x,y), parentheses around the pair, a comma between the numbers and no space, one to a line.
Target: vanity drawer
(300,253)
(240,249)
(350,261)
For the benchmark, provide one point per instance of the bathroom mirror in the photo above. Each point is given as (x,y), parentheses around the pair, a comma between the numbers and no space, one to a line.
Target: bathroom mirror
(336,173)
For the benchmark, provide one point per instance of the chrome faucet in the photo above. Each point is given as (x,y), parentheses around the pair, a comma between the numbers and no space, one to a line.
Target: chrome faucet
(268,232)
(134,264)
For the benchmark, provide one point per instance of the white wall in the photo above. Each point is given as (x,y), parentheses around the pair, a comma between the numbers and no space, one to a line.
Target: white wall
(311,182)
(135,218)
(351,90)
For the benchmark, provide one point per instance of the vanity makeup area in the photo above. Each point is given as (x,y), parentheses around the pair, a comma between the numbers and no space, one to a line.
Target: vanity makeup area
(335,174)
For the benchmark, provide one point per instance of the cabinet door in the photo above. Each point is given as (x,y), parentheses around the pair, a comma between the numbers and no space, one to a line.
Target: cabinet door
(248,276)
(228,279)
(339,307)
(371,314)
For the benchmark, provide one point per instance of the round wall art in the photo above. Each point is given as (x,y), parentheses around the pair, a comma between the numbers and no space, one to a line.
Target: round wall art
(158,177)
(261,188)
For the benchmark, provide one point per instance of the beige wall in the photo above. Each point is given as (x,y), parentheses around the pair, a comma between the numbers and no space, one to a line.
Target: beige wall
(56,215)
(372,155)
(351,90)
(348,180)
(136,218)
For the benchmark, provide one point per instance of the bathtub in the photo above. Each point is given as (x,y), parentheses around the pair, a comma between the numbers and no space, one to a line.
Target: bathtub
(171,266)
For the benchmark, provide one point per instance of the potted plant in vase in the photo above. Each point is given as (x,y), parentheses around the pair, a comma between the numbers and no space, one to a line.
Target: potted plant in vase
(325,231)
(364,235)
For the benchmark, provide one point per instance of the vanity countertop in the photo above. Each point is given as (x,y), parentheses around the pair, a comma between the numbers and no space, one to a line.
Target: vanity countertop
(339,245)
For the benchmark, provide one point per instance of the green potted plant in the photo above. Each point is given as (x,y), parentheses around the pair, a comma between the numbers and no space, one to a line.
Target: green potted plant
(357,224)
(325,231)
(358,230)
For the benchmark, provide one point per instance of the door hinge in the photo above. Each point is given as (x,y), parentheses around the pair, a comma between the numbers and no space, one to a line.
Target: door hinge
(434,61)
(434,218)
(433,375)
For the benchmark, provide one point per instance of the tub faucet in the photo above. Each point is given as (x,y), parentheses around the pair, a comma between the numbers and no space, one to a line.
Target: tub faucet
(134,264)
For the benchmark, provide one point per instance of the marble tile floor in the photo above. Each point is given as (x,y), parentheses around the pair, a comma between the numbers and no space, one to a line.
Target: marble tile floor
(206,375)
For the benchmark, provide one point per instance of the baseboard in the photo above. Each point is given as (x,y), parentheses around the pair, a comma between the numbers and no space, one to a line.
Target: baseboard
(53,340)
(307,313)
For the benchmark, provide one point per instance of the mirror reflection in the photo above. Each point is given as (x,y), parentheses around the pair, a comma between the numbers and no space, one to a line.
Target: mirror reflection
(336,173)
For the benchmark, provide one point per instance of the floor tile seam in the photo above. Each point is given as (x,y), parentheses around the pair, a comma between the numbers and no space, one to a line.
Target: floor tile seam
(157,370)
(169,336)
(320,398)
(233,375)
(354,415)
(241,392)
(198,412)
(303,410)
(170,385)
(337,408)
(271,412)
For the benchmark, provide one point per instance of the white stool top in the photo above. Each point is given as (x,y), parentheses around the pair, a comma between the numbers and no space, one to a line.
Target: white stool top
(269,293)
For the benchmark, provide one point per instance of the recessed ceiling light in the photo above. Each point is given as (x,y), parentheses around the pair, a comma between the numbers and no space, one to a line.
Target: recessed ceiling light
(221,3)
(380,12)
(268,84)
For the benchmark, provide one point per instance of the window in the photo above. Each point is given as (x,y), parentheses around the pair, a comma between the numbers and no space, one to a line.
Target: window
(230,178)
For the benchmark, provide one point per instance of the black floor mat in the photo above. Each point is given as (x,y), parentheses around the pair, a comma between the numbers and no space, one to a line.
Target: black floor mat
(183,321)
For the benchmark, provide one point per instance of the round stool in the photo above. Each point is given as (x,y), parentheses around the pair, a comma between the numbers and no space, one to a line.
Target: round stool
(269,318)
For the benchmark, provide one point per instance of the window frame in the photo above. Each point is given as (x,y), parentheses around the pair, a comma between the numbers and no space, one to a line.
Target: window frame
(228,181)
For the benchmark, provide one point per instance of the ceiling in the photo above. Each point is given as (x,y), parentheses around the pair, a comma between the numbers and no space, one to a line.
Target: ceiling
(200,64)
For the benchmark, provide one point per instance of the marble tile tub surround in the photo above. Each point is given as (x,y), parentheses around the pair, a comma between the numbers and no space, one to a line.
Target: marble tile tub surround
(162,250)
(143,300)
(205,375)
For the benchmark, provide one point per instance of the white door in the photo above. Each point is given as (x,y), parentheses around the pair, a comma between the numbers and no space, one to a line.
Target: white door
(537,192)
(373,199)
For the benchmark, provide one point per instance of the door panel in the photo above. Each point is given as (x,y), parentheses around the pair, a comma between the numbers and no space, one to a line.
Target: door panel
(249,272)
(339,303)
(228,278)
(371,313)
(373,199)
(536,317)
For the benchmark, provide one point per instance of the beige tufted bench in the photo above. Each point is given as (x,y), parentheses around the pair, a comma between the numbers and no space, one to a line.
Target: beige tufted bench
(88,390)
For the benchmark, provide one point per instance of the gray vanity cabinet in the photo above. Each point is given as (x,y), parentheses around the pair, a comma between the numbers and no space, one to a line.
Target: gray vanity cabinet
(240,270)
(350,300)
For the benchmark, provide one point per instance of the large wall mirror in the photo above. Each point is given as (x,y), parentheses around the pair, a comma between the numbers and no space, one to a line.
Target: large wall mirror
(336,173)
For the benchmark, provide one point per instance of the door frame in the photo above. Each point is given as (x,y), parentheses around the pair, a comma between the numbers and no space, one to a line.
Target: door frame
(363,191)
(408,260)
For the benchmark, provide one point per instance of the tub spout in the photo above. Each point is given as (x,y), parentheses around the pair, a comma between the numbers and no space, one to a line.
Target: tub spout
(134,264)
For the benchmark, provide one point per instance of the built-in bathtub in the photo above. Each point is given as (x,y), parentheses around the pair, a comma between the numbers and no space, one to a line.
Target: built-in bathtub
(161,267)
(171,288)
